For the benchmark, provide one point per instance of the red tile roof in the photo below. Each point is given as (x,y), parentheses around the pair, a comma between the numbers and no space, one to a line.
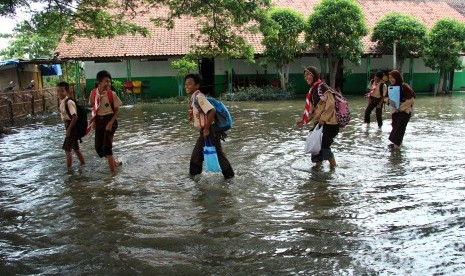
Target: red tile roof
(177,41)
(427,12)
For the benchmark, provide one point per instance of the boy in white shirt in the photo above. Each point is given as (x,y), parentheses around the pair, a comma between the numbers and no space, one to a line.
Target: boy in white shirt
(72,136)
(105,109)
(204,121)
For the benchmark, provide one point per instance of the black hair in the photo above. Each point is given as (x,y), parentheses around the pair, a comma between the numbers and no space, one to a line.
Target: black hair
(63,84)
(196,77)
(314,71)
(379,74)
(103,74)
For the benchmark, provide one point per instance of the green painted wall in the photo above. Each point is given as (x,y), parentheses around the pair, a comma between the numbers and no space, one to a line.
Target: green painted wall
(154,87)
(459,81)
(354,84)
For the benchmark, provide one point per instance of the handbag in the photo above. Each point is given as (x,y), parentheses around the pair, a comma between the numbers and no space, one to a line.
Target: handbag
(210,157)
(313,141)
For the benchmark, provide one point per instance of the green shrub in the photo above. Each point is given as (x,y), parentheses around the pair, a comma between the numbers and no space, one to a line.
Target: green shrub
(255,93)
(174,100)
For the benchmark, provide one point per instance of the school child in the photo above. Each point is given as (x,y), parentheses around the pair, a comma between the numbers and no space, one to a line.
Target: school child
(321,106)
(105,108)
(204,121)
(72,137)
(400,116)
(378,91)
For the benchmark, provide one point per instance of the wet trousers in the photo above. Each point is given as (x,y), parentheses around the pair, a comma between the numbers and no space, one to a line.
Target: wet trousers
(104,138)
(71,142)
(196,161)
(374,103)
(329,132)
(399,125)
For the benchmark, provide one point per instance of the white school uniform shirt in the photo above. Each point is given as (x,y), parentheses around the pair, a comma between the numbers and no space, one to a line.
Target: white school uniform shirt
(71,107)
(200,118)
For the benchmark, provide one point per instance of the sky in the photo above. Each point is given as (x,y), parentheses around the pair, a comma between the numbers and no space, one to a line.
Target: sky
(6,26)
(8,23)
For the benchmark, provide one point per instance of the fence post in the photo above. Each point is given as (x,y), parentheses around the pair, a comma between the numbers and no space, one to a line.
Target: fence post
(10,105)
(32,105)
(43,103)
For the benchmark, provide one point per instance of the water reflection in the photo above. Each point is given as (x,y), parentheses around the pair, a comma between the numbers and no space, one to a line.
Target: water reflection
(378,212)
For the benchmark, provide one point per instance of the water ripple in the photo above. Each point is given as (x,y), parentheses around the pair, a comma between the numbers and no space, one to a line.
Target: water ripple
(378,212)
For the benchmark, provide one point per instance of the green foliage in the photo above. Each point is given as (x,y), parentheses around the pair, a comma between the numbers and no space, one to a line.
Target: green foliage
(336,29)
(174,100)
(255,93)
(222,22)
(184,65)
(36,38)
(408,32)
(283,46)
(446,42)
(117,86)
(97,23)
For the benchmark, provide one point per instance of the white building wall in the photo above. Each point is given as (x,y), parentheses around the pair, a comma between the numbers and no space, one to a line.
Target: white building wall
(386,63)
(240,66)
(116,69)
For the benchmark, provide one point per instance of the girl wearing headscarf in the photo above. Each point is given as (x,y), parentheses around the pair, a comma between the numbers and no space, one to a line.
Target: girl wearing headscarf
(400,116)
(320,106)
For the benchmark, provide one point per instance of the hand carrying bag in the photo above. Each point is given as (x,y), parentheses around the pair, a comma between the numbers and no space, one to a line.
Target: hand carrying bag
(210,157)
(313,142)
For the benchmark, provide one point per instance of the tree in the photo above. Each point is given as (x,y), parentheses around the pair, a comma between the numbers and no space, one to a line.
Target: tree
(407,32)
(446,42)
(222,22)
(183,66)
(36,38)
(335,29)
(283,45)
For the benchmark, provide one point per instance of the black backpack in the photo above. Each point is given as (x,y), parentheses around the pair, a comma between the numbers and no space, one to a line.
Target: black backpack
(81,123)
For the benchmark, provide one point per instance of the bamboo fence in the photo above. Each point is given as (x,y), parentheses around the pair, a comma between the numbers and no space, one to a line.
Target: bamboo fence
(18,104)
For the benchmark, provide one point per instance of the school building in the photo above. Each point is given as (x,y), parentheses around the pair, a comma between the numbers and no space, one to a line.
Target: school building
(147,60)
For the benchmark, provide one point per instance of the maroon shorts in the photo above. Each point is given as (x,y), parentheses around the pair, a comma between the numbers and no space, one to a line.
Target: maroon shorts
(104,138)
(71,142)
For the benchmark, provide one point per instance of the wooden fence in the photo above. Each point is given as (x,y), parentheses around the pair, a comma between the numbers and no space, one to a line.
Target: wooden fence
(18,104)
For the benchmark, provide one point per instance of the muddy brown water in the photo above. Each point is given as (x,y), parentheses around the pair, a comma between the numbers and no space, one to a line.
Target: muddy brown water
(377,213)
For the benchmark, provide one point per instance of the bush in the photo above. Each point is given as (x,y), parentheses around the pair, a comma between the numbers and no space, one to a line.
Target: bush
(174,100)
(255,93)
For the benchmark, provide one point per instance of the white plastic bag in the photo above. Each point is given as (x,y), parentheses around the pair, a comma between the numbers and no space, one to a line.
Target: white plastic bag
(313,142)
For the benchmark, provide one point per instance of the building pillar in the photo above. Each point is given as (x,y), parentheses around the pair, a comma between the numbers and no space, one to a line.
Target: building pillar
(128,69)
(411,71)
(368,72)
(230,76)
(77,80)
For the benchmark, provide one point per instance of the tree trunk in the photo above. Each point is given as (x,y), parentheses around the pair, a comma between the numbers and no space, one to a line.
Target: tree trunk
(441,81)
(282,77)
(400,65)
(287,77)
(333,72)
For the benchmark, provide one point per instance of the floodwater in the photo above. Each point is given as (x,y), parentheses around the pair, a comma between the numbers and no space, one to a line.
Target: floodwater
(377,213)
